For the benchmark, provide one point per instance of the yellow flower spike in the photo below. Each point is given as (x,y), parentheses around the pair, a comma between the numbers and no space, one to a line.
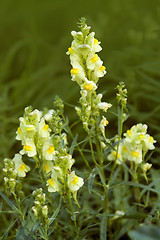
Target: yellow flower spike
(75,71)
(135,154)
(50,182)
(19,130)
(71,51)
(50,149)
(75,180)
(102,68)
(88,86)
(94,59)
(95,41)
(45,128)
(27,148)
(22,167)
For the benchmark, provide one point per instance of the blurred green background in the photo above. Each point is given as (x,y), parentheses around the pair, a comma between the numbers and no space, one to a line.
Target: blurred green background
(34,37)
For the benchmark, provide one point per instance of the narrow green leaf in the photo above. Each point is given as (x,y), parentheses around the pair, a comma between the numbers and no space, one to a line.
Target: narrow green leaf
(53,217)
(155,177)
(5,235)
(20,235)
(103,227)
(91,180)
(145,233)
(9,202)
(39,226)
(73,144)
(147,188)
(125,228)
(101,176)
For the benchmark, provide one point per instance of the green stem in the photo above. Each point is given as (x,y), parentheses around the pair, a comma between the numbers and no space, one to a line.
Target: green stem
(36,160)
(46,230)
(80,151)
(73,214)
(119,139)
(100,158)
(92,152)
(135,179)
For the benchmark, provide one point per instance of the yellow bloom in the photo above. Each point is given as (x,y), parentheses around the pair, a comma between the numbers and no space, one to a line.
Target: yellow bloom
(48,166)
(146,166)
(74,182)
(89,85)
(53,184)
(43,128)
(20,166)
(29,148)
(48,150)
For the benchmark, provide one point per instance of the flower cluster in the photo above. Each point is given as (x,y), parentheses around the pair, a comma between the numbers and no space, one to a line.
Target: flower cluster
(43,138)
(122,94)
(34,134)
(10,175)
(134,146)
(87,68)
(40,209)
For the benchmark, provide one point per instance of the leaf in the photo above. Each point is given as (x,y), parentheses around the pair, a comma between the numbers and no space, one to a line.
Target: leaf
(73,144)
(91,180)
(38,225)
(51,220)
(21,234)
(103,227)
(5,235)
(127,225)
(148,232)
(146,187)
(101,176)
(145,190)
(155,177)
(9,202)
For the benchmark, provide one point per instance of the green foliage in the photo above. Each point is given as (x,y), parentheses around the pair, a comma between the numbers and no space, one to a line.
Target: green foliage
(145,233)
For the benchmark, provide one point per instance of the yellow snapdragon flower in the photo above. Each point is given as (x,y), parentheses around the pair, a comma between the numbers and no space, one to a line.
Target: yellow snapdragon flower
(74,182)
(29,148)
(48,150)
(43,128)
(20,166)
(53,184)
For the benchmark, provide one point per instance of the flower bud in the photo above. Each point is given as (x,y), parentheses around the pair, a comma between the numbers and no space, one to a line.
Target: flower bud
(45,211)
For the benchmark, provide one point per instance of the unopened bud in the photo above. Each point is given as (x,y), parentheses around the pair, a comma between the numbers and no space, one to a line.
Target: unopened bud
(45,211)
